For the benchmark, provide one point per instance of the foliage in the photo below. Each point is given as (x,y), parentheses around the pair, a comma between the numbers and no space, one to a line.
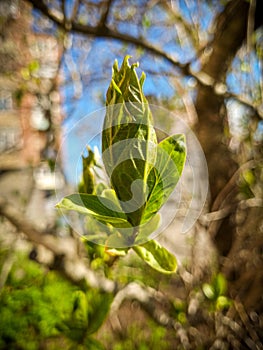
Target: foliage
(142,173)
(54,312)
(31,300)
(216,292)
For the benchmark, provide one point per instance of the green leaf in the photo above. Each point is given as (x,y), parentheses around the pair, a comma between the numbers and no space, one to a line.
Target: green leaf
(119,239)
(116,251)
(76,325)
(100,208)
(111,195)
(128,139)
(209,291)
(145,230)
(223,302)
(220,284)
(100,308)
(87,183)
(170,160)
(158,257)
(80,310)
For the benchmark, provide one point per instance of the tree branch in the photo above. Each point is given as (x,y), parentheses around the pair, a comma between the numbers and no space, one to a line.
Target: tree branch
(149,300)
(105,15)
(103,31)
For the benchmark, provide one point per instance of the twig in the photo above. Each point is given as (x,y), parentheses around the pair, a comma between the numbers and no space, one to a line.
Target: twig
(244,318)
(250,23)
(105,15)
(149,299)
(223,194)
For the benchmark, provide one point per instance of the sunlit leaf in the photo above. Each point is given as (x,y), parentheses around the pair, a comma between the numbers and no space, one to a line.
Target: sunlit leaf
(101,208)
(209,291)
(128,139)
(158,257)
(170,160)
(223,302)
(145,230)
(87,183)
(220,284)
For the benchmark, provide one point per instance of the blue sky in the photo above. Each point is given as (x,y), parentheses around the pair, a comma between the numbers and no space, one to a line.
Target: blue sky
(96,69)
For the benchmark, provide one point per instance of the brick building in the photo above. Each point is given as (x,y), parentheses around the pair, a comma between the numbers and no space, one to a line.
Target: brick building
(30,106)
(29,97)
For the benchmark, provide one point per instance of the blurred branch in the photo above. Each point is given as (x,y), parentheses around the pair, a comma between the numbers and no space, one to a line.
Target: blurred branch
(246,103)
(245,320)
(149,300)
(108,33)
(74,11)
(179,21)
(228,188)
(224,204)
(250,23)
(104,17)
(187,101)
(105,32)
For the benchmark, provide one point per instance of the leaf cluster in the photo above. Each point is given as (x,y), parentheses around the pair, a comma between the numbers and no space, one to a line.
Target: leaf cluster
(143,173)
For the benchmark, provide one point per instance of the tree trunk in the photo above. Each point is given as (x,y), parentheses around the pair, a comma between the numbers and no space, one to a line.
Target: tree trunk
(229,238)
(230,32)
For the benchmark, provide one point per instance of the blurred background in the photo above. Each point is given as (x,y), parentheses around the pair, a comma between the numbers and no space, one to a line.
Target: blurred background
(203,62)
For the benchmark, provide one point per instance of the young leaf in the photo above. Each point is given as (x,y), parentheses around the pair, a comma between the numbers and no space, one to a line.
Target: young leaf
(145,230)
(220,284)
(157,256)
(87,183)
(127,139)
(101,208)
(170,160)
(111,195)
(209,291)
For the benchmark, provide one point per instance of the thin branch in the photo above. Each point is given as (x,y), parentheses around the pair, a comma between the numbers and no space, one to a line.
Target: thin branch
(250,23)
(221,197)
(149,300)
(106,32)
(222,206)
(63,10)
(245,102)
(105,15)
(245,320)
(189,30)
(74,11)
